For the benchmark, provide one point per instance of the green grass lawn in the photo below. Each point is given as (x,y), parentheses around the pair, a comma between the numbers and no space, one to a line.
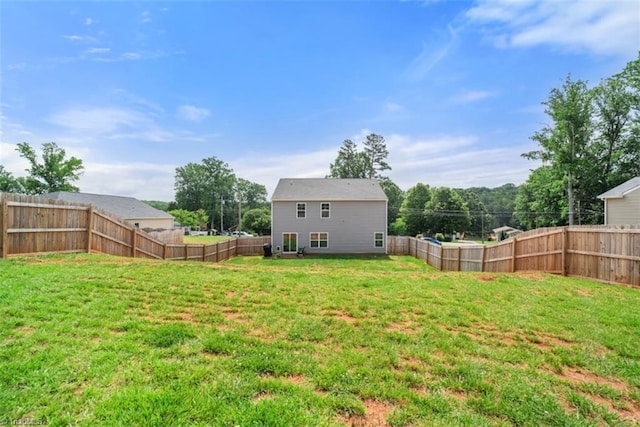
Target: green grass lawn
(98,340)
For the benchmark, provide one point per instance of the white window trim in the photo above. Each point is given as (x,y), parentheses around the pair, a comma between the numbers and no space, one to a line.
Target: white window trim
(305,210)
(375,239)
(322,211)
(318,233)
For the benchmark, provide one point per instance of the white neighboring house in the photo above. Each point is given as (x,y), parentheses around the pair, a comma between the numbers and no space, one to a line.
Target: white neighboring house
(329,216)
(127,208)
(622,203)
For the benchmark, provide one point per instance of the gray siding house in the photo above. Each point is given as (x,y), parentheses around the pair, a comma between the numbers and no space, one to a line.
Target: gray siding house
(622,203)
(329,216)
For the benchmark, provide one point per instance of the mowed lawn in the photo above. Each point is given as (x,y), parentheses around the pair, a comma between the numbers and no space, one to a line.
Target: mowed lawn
(98,340)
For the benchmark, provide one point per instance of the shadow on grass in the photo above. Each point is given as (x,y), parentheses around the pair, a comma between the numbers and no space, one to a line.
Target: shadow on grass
(359,257)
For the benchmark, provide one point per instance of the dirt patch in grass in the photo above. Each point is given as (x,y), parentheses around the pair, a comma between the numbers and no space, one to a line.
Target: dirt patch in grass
(187,317)
(456,394)
(25,330)
(346,317)
(630,412)
(234,316)
(375,415)
(261,396)
(547,341)
(585,292)
(487,278)
(405,326)
(577,376)
(531,275)
(411,363)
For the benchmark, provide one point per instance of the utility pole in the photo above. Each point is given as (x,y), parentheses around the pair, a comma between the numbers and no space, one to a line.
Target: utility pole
(239,210)
(221,214)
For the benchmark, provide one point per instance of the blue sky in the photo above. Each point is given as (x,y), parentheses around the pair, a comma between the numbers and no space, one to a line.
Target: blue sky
(136,89)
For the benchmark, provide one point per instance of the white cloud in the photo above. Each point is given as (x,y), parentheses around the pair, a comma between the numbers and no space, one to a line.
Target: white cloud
(445,160)
(131,55)
(192,113)
(392,107)
(145,181)
(89,21)
(98,50)
(430,56)
(145,17)
(98,120)
(79,38)
(469,96)
(601,27)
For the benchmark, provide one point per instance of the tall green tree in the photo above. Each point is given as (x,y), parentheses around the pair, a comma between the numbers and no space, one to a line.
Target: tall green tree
(395,197)
(257,220)
(56,172)
(481,221)
(412,210)
(541,200)
(446,212)
(564,143)
(209,185)
(368,163)
(252,195)
(187,218)
(499,202)
(8,183)
(375,149)
(350,163)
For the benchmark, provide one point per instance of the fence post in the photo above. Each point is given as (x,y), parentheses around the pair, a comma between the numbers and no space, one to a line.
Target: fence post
(513,256)
(484,257)
(133,241)
(89,228)
(4,218)
(164,250)
(565,236)
(459,256)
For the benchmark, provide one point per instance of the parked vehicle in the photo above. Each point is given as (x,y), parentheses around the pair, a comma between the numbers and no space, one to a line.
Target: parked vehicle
(432,240)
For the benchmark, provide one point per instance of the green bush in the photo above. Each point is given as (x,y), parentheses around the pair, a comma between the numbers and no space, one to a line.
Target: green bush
(439,236)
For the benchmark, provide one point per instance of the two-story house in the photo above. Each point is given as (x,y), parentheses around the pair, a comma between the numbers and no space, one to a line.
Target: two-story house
(329,216)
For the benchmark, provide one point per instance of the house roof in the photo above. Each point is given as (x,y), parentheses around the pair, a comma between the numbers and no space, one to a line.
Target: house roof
(504,228)
(621,190)
(309,189)
(125,207)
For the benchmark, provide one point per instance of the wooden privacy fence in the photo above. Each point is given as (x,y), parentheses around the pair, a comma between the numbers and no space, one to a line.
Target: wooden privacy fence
(32,225)
(606,253)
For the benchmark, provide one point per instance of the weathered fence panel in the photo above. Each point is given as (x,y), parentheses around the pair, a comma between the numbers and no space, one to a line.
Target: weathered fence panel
(166,236)
(30,226)
(605,253)
(252,245)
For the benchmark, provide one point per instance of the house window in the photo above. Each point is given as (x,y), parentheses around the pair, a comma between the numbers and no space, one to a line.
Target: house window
(378,240)
(289,242)
(301,209)
(319,240)
(326,210)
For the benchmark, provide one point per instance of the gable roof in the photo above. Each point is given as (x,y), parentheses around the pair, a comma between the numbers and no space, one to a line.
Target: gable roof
(621,190)
(124,207)
(308,189)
